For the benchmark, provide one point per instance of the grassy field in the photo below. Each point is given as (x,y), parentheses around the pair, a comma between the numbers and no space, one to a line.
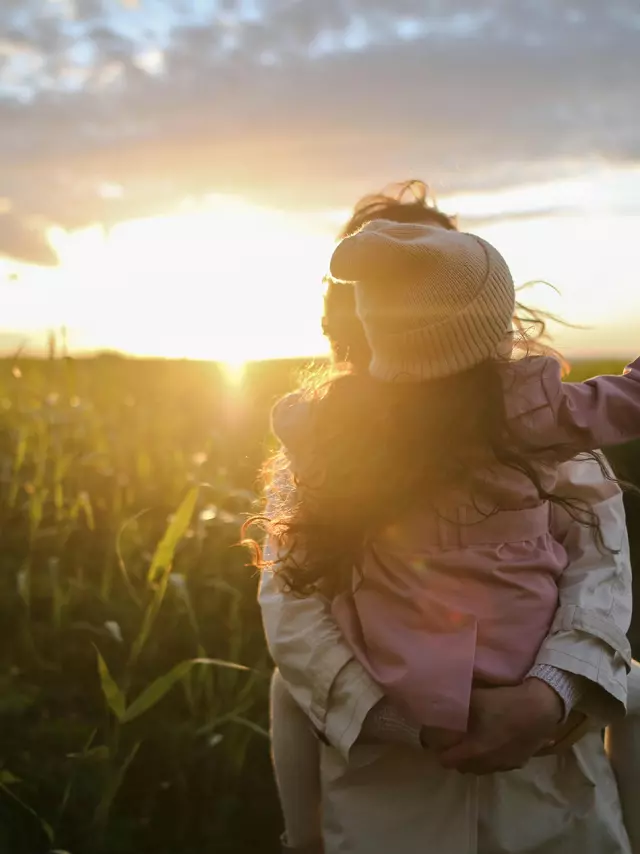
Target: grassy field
(133,673)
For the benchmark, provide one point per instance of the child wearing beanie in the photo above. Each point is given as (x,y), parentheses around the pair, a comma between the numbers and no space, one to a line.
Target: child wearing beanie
(438,559)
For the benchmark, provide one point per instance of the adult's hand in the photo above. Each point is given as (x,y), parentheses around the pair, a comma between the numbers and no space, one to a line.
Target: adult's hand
(507,726)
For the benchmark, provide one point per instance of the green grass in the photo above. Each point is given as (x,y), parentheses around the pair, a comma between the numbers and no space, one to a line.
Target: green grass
(133,672)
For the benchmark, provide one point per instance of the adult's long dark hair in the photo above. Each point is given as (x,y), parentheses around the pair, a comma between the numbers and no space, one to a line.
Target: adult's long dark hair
(373,449)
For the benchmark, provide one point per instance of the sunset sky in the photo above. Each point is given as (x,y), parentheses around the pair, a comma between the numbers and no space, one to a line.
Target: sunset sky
(172,175)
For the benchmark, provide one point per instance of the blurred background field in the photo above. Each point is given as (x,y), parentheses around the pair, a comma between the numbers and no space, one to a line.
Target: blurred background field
(96,456)
(102,460)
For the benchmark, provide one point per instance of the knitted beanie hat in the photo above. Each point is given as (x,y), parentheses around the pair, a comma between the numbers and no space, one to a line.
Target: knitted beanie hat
(432,302)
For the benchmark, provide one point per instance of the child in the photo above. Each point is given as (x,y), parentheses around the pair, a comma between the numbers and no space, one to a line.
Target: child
(423,490)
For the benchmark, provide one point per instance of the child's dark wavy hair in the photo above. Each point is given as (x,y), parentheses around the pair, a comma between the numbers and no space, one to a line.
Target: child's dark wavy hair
(377,448)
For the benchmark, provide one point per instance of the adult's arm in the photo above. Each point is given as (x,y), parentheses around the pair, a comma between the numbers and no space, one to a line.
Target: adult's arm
(588,635)
(586,642)
(330,686)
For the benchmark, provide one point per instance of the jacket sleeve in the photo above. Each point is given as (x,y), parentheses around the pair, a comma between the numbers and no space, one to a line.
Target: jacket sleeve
(330,686)
(588,634)
(583,416)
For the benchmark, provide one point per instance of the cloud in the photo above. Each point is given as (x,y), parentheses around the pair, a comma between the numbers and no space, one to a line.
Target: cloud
(236,101)
(24,243)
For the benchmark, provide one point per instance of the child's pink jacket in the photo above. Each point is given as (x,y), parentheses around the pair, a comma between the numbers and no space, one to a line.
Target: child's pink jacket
(464,594)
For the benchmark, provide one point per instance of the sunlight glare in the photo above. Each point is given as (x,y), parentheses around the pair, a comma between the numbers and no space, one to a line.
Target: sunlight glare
(215,280)
(233,372)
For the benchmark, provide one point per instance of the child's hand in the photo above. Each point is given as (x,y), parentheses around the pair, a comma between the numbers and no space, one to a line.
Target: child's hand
(438,738)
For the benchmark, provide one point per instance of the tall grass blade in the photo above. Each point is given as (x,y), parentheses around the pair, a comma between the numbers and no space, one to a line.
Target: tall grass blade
(156,691)
(112,693)
(121,562)
(4,787)
(176,529)
(161,567)
(104,807)
(249,725)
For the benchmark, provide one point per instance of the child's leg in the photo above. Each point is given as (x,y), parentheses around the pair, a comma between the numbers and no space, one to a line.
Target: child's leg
(296,760)
(623,747)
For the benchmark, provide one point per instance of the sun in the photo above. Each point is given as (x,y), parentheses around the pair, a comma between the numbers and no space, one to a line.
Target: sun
(233,372)
(222,279)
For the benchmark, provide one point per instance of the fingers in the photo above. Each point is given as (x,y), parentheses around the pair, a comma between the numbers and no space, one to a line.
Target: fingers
(487,765)
(472,756)
(441,739)
(464,751)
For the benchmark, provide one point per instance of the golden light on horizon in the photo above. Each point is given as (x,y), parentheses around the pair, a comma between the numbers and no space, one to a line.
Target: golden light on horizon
(230,281)
(204,283)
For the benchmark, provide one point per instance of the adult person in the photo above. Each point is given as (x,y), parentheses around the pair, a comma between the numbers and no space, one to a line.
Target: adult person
(373,797)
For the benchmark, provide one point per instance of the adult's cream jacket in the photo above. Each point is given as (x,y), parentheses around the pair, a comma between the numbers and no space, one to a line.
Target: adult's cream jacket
(378,800)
